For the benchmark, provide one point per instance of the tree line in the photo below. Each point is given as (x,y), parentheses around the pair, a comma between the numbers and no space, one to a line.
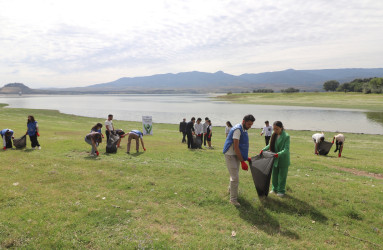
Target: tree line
(366,85)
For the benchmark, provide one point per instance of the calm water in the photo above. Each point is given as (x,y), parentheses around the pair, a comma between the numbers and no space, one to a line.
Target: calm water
(172,108)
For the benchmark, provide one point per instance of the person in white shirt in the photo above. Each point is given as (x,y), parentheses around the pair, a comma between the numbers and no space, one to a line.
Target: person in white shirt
(109,126)
(339,139)
(267,130)
(198,130)
(317,138)
(228,127)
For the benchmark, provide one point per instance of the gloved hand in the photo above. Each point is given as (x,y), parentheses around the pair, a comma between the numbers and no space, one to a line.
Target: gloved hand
(276,155)
(244,166)
(37,134)
(4,148)
(261,152)
(249,159)
(97,153)
(144,149)
(332,141)
(209,136)
(339,155)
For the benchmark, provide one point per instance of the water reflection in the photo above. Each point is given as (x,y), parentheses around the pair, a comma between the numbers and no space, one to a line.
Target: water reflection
(375,117)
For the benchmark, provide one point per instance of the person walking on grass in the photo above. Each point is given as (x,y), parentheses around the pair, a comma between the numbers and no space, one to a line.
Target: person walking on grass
(209,134)
(183,129)
(205,125)
(136,135)
(280,145)
(317,138)
(33,132)
(267,130)
(236,149)
(93,139)
(7,135)
(339,140)
(109,126)
(228,127)
(190,132)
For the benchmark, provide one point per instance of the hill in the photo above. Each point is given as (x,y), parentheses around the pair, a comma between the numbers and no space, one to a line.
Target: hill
(15,88)
(201,81)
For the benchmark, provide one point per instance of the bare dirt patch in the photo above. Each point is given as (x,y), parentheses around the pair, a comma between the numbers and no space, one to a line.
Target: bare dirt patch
(362,173)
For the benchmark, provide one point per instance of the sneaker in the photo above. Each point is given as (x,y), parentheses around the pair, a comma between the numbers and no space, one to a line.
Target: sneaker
(272,192)
(39,147)
(280,195)
(33,147)
(128,153)
(235,203)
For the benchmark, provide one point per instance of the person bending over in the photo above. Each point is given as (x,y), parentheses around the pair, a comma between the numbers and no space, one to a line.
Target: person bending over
(136,135)
(7,135)
(317,138)
(339,140)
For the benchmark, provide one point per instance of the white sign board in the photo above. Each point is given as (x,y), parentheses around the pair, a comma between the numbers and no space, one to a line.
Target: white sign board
(147,125)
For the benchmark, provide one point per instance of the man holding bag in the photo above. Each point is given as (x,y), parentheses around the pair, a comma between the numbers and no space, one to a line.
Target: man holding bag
(236,151)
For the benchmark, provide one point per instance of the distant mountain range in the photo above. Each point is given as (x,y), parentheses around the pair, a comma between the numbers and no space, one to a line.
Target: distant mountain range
(202,82)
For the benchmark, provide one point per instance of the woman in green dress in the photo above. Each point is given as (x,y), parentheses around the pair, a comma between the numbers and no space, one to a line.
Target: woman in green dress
(280,145)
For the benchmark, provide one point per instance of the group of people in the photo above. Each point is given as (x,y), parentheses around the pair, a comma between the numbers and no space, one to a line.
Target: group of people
(196,132)
(32,130)
(338,139)
(94,138)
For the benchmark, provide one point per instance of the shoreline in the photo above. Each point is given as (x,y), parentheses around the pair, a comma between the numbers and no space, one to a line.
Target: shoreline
(4,105)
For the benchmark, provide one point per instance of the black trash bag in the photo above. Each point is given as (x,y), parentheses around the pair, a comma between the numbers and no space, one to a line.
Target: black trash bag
(324,147)
(20,142)
(111,145)
(261,167)
(197,141)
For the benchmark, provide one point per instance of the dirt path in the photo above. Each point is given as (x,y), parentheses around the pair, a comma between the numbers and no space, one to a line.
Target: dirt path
(362,173)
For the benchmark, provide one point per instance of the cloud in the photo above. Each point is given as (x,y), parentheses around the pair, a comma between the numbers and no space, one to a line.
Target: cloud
(84,41)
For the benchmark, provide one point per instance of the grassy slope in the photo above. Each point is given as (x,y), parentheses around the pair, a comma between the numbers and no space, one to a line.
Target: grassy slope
(173,197)
(373,102)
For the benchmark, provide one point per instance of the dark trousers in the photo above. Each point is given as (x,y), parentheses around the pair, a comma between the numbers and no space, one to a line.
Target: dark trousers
(267,139)
(8,142)
(204,139)
(107,135)
(34,141)
(183,138)
(190,140)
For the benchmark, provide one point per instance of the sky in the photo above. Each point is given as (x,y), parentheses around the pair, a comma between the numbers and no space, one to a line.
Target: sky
(57,43)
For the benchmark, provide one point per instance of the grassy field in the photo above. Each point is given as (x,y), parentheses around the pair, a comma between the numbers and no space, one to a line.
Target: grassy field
(171,197)
(372,102)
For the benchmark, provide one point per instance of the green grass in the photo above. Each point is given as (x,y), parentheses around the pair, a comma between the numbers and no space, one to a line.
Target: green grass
(171,197)
(372,102)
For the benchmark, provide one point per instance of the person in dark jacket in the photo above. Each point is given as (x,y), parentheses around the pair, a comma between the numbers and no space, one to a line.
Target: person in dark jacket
(183,129)
(33,132)
(190,131)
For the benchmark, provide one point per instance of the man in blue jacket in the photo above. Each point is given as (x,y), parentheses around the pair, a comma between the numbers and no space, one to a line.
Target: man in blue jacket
(236,151)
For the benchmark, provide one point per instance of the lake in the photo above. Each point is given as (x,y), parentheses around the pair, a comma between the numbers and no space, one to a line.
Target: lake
(172,108)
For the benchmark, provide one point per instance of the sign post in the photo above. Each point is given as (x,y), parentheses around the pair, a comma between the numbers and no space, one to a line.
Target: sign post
(147,125)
